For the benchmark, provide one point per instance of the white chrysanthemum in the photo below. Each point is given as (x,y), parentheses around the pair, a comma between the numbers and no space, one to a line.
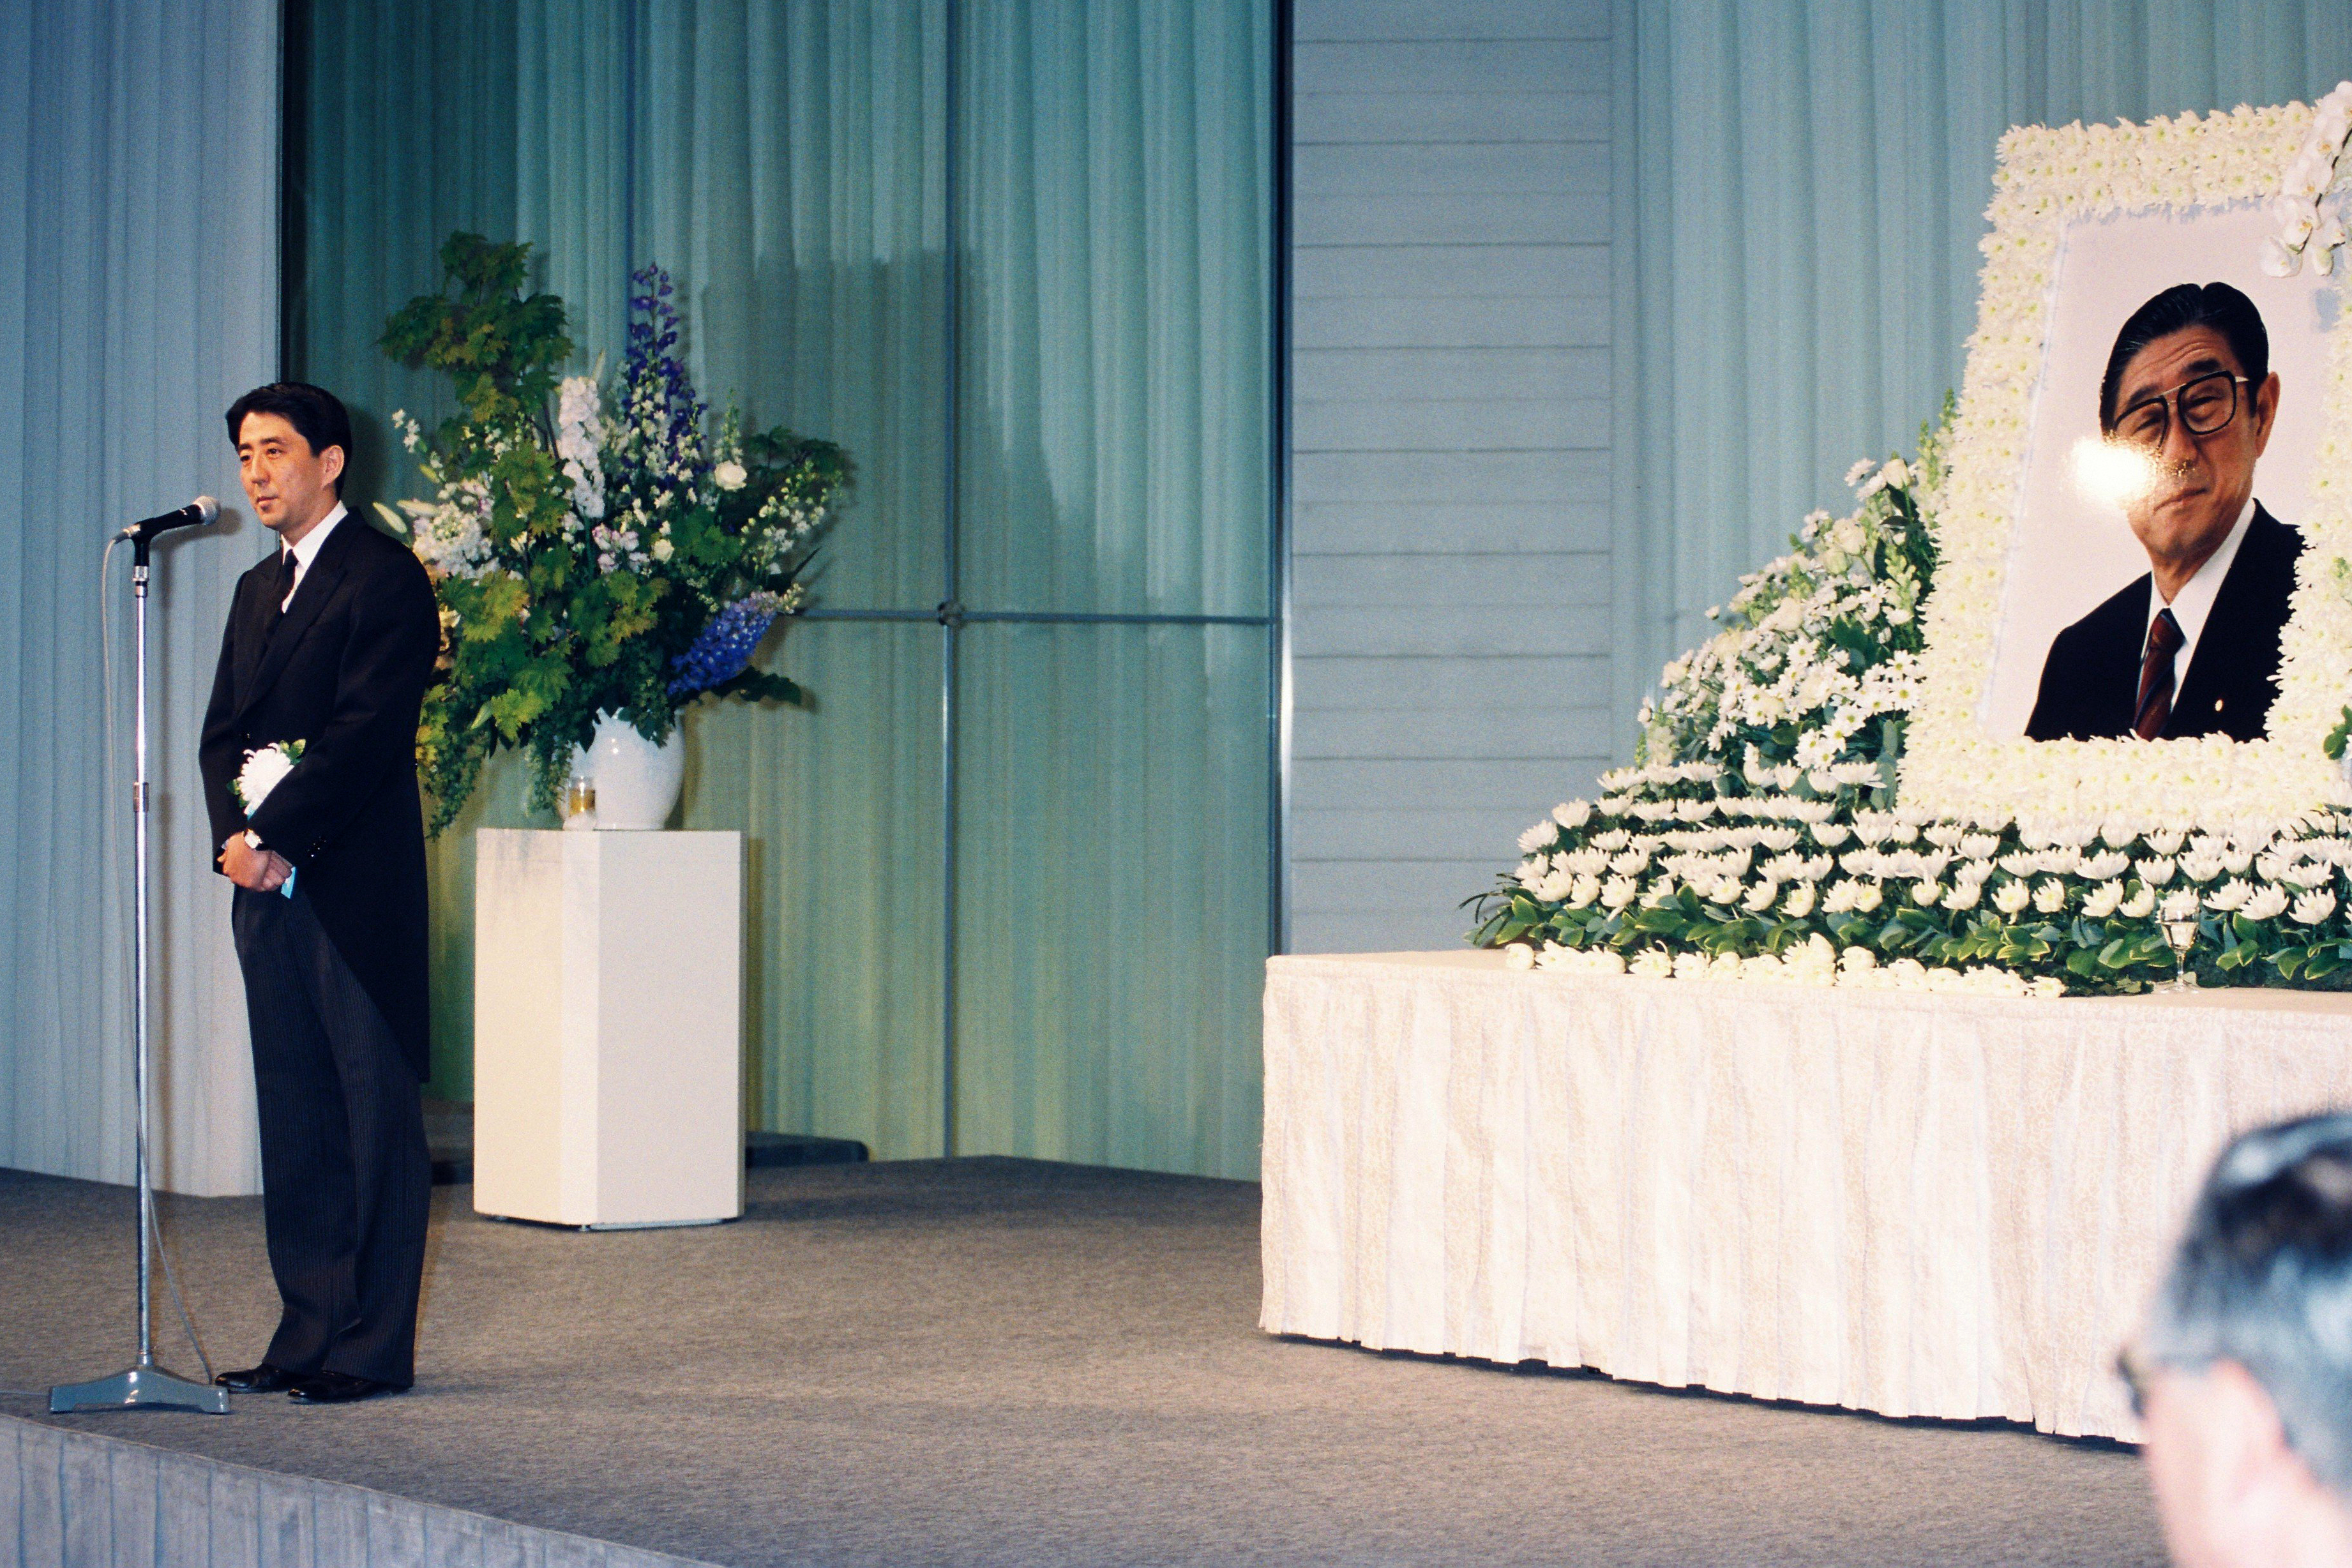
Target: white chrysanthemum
(2231,895)
(2103,900)
(2011,897)
(1537,837)
(2314,907)
(2267,901)
(265,769)
(2142,904)
(1587,861)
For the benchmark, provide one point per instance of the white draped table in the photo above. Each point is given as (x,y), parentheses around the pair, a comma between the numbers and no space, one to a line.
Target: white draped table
(1917,1204)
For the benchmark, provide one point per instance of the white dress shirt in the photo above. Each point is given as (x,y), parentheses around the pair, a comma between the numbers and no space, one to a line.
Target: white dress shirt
(2194,602)
(308,551)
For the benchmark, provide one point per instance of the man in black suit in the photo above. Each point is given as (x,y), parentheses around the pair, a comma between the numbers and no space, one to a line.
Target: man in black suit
(2191,648)
(331,642)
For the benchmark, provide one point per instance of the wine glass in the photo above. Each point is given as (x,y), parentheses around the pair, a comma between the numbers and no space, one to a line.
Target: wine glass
(2180,935)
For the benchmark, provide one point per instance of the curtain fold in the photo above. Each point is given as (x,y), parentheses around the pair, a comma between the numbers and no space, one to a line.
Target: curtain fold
(1808,180)
(140,231)
(1112,902)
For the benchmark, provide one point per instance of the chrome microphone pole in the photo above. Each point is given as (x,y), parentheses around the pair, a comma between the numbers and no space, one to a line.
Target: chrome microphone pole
(144,1386)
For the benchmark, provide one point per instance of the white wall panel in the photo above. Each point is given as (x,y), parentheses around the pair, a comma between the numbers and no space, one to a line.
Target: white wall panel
(1454,330)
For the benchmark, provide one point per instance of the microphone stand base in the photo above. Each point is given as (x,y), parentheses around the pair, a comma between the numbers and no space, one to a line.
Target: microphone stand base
(140,1388)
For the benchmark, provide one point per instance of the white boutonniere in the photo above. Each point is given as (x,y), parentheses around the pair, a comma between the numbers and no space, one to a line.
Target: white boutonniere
(265,769)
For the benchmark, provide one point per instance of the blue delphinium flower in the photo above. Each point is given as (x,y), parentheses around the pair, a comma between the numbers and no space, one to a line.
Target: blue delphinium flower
(723,651)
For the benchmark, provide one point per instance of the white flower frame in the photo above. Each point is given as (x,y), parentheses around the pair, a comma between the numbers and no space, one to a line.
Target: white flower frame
(2048,177)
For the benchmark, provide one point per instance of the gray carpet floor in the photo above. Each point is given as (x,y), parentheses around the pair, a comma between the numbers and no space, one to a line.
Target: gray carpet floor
(993,1362)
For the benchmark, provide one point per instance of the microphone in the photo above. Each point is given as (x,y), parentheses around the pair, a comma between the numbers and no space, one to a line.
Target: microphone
(196,514)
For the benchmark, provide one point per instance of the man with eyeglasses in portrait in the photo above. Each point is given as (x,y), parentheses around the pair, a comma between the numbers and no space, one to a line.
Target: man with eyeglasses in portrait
(2191,648)
(2242,1375)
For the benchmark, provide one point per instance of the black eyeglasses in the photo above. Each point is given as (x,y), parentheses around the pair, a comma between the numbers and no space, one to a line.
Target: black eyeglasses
(2207,405)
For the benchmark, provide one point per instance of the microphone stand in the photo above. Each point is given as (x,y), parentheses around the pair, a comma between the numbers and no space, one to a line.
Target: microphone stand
(144,1386)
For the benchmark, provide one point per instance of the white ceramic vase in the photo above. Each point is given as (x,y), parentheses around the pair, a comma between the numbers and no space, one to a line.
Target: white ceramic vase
(637,782)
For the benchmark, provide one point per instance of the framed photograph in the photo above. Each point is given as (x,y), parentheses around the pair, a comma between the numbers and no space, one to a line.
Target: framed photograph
(2140,610)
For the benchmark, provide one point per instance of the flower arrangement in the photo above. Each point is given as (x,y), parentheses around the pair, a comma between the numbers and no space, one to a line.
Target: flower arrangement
(1759,835)
(587,562)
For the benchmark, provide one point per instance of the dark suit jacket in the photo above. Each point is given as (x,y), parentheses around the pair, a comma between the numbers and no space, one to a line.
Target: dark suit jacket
(343,670)
(2090,682)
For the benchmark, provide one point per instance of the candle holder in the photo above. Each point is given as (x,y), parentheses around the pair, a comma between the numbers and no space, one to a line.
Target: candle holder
(580,804)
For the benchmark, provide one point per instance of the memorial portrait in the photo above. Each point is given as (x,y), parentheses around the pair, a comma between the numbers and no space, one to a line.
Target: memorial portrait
(2136,507)
(2154,553)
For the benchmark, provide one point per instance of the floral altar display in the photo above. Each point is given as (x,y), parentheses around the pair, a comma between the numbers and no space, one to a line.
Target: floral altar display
(589,564)
(1816,798)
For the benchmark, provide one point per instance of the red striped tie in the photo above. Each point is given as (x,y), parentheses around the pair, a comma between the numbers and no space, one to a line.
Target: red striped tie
(2164,640)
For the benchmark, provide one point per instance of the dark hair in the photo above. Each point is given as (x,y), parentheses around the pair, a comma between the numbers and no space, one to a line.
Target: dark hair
(317,415)
(2179,308)
(2264,1278)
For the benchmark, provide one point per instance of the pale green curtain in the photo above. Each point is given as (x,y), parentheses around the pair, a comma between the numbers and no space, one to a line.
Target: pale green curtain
(1802,190)
(791,163)
(1112,901)
(138,230)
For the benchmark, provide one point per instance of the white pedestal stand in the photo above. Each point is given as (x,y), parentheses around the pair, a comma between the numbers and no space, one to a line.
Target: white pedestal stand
(608,1027)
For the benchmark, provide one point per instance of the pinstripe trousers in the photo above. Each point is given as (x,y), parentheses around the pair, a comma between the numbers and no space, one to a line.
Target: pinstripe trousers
(346,1179)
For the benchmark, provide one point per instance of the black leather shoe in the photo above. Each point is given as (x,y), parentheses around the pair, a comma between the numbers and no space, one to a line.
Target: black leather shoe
(338,1388)
(262,1379)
